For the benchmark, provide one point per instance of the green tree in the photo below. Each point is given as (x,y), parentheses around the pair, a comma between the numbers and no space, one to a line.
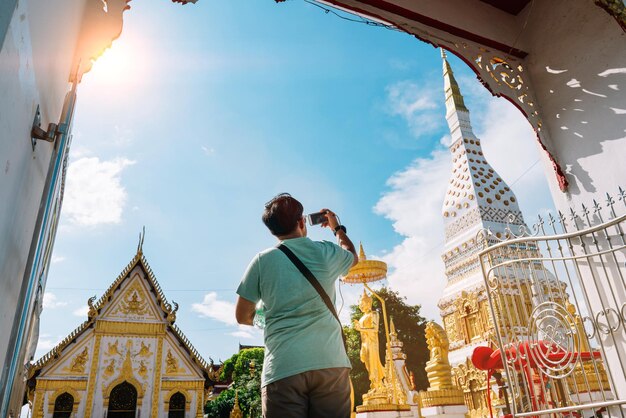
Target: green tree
(410,326)
(244,370)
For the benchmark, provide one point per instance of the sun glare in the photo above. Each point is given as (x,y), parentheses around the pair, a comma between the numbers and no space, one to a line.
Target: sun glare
(122,64)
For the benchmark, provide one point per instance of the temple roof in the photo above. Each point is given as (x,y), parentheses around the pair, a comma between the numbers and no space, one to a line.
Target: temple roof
(167,315)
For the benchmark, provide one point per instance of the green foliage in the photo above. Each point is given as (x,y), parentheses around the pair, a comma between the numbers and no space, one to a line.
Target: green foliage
(410,326)
(246,382)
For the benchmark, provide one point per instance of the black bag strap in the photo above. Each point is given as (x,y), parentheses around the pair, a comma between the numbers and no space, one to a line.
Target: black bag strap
(316,284)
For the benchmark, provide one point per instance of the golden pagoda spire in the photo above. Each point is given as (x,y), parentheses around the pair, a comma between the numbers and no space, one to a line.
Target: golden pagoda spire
(454,98)
(236,411)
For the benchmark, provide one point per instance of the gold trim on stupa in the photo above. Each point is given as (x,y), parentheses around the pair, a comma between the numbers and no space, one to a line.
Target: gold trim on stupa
(366,271)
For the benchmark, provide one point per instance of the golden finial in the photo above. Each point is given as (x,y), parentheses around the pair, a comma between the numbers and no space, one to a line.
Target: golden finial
(142,235)
(392,326)
(365,270)
(361,252)
(236,411)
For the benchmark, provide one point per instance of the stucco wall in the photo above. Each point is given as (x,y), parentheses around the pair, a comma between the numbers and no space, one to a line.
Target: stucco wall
(35,63)
(580,95)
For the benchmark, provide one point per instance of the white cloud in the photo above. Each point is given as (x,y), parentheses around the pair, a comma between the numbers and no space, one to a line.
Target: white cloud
(219,310)
(207,150)
(57,259)
(242,334)
(414,201)
(246,332)
(46,343)
(414,206)
(50,301)
(82,311)
(417,105)
(94,194)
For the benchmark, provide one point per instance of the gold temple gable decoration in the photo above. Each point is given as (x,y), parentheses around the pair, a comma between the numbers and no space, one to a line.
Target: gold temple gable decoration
(125,348)
(78,363)
(441,391)
(112,349)
(171,364)
(126,374)
(109,370)
(144,351)
(92,312)
(133,303)
(143,370)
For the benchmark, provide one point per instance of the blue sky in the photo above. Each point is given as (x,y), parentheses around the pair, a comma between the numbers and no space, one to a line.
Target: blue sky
(200,114)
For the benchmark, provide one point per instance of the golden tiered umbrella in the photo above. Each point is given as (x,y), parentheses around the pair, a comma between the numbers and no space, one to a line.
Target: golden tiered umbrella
(366,271)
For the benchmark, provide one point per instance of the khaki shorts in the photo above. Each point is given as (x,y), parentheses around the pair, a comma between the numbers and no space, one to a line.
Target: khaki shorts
(323,393)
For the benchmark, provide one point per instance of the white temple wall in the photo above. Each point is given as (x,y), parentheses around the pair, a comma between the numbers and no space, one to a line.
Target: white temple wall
(580,95)
(583,106)
(35,60)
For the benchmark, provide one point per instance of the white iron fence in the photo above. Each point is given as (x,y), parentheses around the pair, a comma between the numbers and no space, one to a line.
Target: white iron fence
(557,296)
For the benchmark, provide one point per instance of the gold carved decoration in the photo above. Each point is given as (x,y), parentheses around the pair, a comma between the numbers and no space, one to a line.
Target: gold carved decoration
(156,384)
(92,376)
(79,362)
(61,390)
(176,385)
(92,312)
(171,363)
(473,383)
(126,374)
(144,351)
(439,373)
(143,370)
(113,349)
(110,368)
(133,304)
(130,328)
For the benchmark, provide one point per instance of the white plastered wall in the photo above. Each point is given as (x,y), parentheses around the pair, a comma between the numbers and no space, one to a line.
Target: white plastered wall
(577,63)
(35,61)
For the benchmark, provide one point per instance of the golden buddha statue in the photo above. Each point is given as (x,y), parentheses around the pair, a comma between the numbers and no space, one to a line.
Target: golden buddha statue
(441,391)
(438,368)
(368,327)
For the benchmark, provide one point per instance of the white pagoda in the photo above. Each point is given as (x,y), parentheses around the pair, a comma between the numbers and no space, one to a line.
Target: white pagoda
(477,199)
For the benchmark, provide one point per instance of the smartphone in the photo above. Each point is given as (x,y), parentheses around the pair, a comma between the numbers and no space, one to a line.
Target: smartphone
(317,218)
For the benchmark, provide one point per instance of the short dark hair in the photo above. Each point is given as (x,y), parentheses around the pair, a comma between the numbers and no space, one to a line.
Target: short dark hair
(281,214)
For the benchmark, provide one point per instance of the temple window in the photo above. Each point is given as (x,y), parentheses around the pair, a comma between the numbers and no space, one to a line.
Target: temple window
(177,406)
(63,406)
(123,401)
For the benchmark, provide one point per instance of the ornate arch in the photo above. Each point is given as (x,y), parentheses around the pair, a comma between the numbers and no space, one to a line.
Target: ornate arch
(166,399)
(65,389)
(106,392)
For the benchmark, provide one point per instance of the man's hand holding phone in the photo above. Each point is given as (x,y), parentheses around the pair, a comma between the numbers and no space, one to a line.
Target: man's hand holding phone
(331,219)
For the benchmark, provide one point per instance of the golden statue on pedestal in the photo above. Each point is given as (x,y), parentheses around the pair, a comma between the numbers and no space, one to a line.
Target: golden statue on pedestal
(386,392)
(368,327)
(438,367)
(439,373)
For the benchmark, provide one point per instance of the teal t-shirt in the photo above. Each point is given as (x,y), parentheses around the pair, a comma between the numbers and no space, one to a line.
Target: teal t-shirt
(300,332)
